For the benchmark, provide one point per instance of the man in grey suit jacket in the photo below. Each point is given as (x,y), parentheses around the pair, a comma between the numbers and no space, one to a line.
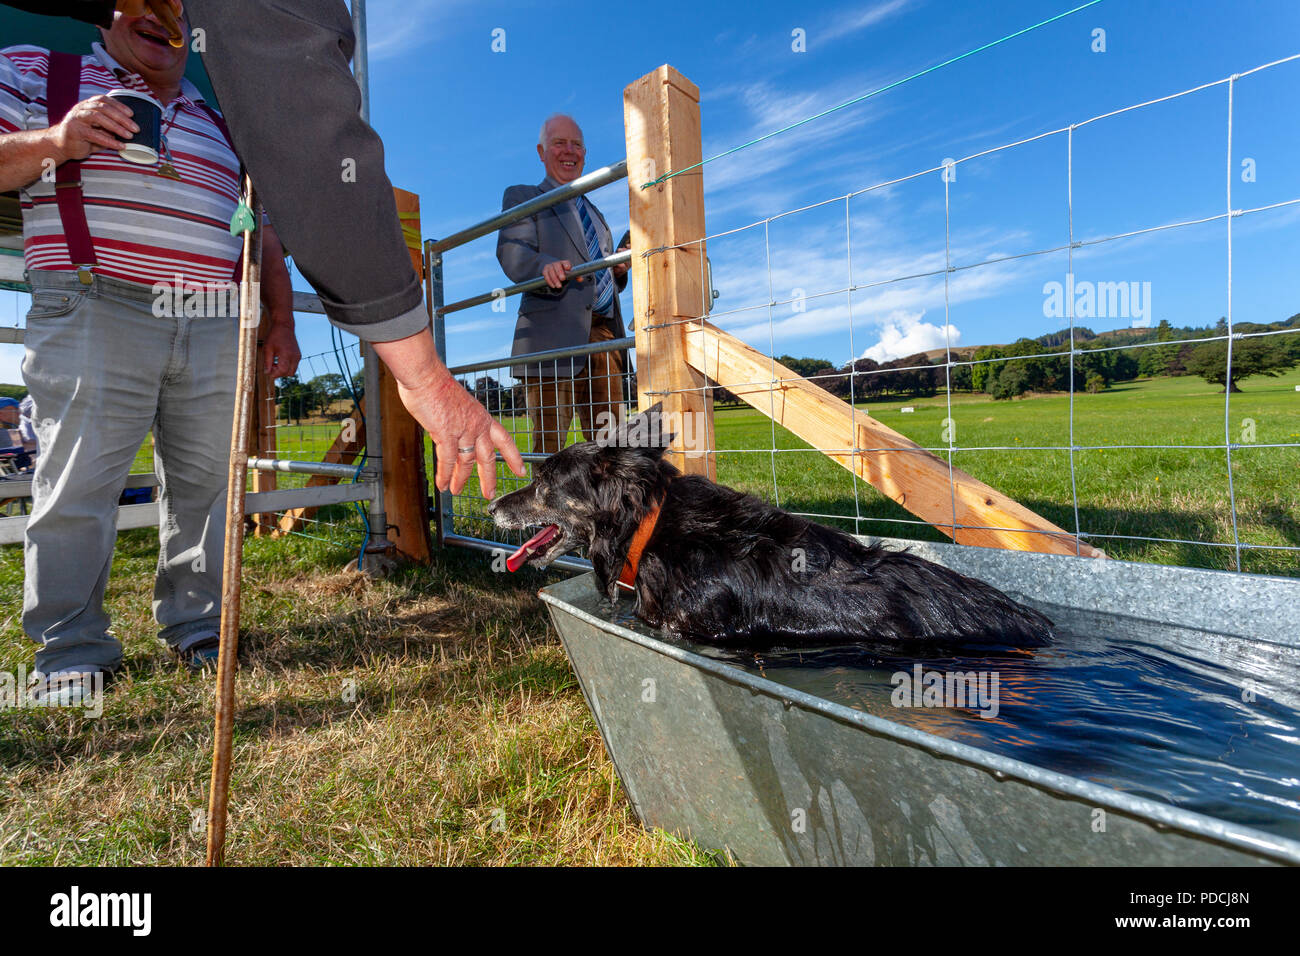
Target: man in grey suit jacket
(571,311)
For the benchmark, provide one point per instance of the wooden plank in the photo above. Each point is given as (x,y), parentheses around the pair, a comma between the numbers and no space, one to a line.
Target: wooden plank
(344,449)
(917,479)
(661,120)
(406,487)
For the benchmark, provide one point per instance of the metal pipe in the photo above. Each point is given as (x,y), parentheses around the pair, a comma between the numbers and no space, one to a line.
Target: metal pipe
(442,511)
(330,469)
(360,56)
(586,268)
(583,184)
(533,358)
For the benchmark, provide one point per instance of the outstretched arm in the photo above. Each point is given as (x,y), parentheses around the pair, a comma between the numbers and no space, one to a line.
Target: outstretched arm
(450,415)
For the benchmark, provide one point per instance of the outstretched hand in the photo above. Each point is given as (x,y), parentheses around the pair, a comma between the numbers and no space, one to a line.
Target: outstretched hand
(464,434)
(450,414)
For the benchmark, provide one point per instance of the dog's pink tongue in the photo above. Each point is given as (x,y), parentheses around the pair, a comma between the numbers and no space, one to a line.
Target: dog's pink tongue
(532,546)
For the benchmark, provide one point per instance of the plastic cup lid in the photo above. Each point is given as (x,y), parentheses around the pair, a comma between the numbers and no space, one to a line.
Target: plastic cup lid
(139,153)
(123,94)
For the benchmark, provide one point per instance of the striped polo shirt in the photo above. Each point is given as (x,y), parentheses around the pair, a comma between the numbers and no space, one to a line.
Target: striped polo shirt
(145,227)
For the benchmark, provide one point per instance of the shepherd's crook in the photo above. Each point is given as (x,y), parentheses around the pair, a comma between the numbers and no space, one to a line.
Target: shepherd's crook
(250,316)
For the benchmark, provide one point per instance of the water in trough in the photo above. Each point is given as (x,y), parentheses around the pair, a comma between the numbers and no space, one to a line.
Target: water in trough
(1199,720)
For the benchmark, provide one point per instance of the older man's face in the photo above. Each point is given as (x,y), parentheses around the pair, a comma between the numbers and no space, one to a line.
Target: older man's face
(562,151)
(140,44)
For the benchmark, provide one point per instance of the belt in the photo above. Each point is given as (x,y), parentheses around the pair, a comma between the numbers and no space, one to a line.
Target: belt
(83,281)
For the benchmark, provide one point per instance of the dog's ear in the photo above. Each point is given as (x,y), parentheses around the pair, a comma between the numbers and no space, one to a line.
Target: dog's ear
(647,432)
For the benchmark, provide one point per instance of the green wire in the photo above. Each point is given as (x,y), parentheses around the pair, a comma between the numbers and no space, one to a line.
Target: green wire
(859,99)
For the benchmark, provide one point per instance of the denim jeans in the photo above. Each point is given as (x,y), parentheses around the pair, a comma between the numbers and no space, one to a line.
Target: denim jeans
(103,370)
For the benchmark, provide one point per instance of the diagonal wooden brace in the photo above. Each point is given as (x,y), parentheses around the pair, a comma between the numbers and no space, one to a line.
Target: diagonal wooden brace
(917,479)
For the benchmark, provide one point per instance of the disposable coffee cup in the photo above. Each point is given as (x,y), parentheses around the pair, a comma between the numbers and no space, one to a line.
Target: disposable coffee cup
(143,147)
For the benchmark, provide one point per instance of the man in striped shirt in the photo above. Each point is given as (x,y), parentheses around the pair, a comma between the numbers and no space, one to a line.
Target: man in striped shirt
(121,336)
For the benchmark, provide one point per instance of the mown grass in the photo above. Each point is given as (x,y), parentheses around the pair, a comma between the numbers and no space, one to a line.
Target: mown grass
(432,718)
(426,718)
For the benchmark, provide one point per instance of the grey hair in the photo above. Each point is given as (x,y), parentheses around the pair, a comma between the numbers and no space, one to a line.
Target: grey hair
(541,133)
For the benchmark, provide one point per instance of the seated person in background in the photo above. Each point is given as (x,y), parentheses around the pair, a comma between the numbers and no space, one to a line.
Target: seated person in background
(575,311)
(133,327)
(17,457)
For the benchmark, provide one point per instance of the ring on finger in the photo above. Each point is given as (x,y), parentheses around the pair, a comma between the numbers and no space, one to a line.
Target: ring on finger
(466,451)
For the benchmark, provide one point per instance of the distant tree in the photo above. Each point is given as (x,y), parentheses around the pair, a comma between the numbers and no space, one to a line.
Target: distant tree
(959,378)
(332,386)
(807,367)
(983,369)
(1095,383)
(293,398)
(1159,359)
(359,382)
(1012,380)
(1249,357)
(493,396)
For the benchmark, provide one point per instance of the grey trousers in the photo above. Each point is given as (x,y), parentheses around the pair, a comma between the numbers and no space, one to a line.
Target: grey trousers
(103,370)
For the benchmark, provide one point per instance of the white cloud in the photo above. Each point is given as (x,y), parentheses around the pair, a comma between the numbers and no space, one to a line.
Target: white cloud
(853,20)
(394,28)
(905,333)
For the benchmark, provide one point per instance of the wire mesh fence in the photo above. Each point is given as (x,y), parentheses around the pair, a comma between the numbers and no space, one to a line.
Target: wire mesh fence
(545,405)
(1128,443)
(303,416)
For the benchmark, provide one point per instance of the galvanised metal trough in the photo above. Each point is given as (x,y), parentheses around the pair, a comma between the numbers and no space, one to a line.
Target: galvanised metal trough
(721,755)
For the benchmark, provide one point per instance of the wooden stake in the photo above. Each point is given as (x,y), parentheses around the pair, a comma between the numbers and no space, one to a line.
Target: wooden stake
(406,487)
(661,120)
(250,312)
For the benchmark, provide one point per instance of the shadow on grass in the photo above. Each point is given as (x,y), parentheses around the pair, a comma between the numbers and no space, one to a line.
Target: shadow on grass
(449,633)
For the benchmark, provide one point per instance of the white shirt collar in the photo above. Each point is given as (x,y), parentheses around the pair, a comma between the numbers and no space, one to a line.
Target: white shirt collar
(188,89)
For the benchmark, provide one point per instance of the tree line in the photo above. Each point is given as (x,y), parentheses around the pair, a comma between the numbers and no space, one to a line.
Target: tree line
(1001,371)
(1043,364)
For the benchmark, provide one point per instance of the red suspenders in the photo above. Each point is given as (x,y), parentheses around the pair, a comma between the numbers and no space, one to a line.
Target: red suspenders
(62,93)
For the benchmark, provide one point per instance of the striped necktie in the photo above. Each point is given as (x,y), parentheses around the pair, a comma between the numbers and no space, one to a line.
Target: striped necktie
(604,281)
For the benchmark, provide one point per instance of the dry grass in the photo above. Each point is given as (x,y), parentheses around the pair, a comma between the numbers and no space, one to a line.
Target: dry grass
(428,718)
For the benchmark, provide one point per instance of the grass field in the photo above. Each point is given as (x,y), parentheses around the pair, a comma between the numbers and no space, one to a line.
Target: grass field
(432,717)
(1180,493)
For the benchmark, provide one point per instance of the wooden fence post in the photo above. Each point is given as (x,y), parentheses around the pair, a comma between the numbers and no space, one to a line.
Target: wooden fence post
(406,487)
(661,121)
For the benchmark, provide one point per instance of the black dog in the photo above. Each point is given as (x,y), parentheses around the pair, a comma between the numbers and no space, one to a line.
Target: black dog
(715,566)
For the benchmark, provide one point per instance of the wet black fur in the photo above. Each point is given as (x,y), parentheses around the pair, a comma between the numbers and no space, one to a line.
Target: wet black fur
(724,568)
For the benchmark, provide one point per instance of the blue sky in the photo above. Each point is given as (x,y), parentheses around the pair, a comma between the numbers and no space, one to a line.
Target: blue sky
(460,123)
